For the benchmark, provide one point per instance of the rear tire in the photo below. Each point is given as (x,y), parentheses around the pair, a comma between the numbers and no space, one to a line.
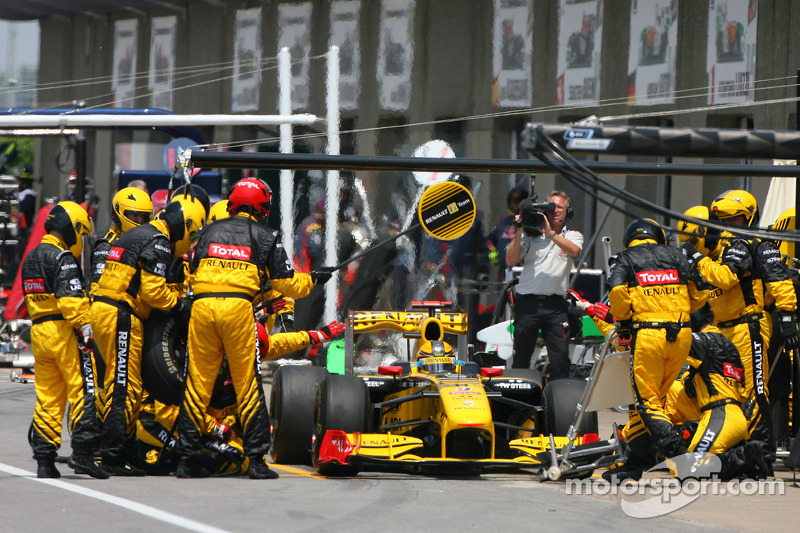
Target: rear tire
(163,358)
(342,403)
(291,408)
(560,402)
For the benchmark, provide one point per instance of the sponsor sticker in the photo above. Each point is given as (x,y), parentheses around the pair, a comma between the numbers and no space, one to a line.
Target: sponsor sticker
(115,253)
(657,277)
(730,371)
(33,285)
(229,251)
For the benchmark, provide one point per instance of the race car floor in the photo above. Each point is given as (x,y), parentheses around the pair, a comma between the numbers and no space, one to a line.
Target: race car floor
(303,501)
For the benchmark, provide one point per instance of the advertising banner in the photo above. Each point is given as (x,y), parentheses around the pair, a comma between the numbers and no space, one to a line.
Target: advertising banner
(294,21)
(246,88)
(731,50)
(652,54)
(123,77)
(396,54)
(162,62)
(345,34)
(580,34)
(511,59)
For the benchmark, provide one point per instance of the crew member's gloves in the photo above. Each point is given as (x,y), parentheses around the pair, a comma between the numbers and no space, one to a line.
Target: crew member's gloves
(184,310)
(789,332)
(624,331)
(321,275)
(263,340)
(575,299)
(285,322)
(224,451)
(85,338)
(223,432)
(270,307)
(599,310)
(325,334)
(691,252)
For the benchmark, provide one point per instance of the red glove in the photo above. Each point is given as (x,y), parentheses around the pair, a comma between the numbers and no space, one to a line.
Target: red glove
(575,299)
(85,338)
(601,311)
(270,307)
(223,432)
(325,334)
(263,339)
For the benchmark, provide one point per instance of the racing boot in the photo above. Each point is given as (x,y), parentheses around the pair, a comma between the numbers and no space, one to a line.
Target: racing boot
(191,467)
(122,468)
(757,465)
(83,464)
(46,468)
(259,469)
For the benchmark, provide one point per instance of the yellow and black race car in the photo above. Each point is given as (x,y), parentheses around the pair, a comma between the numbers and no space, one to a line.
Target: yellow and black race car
(432,411)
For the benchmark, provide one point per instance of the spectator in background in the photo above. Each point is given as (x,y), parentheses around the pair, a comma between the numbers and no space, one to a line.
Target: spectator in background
(503,232)
(139,184)
(27,207)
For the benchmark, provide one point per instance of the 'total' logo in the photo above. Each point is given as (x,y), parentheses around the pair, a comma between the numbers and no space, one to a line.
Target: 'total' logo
(33,285)
(229,251)
(730,371)
(657,277)
(115,253)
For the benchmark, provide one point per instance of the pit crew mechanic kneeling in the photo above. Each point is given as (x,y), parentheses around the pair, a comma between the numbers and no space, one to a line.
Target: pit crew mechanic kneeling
(233,261)
(221,441)
(713,387)
(133,283)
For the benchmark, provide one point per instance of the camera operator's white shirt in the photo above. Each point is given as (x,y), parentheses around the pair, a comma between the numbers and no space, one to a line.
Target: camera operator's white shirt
(545,266)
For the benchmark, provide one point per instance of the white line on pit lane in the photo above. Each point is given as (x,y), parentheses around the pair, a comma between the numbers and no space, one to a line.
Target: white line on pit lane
(146,510)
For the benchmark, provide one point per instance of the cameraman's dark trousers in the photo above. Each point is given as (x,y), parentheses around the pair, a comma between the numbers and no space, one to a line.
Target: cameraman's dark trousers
(548,313)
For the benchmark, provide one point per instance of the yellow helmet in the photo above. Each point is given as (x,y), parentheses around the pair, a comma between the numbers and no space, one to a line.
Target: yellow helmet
(786,221)
(734,203)
(694,232)
(436,356)
(72,222)
(218,211)
(194,193)
(131,207)
(184,219)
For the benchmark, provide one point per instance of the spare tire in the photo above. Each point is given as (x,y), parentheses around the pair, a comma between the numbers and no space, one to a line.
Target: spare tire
(163,358)
(560,404)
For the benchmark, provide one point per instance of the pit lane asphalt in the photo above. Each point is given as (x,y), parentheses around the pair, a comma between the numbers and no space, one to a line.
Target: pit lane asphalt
(302,501)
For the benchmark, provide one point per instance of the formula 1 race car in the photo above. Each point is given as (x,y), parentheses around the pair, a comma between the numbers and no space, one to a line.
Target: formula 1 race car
(429,411)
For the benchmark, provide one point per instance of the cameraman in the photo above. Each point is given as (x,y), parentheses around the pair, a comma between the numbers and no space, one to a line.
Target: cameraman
(546,250)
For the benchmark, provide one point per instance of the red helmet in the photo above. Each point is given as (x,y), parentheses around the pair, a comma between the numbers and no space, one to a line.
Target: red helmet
(250,193)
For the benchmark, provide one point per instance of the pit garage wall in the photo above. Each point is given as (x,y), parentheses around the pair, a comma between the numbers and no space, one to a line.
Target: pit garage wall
(451,77)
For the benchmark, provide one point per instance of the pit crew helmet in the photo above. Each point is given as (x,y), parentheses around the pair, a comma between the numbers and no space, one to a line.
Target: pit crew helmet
(218,211)
(72,222)
(645,228)
(194,193)
(131,207)
(734,203)
(184,219)
(436,356)
(251,195)
(705,239)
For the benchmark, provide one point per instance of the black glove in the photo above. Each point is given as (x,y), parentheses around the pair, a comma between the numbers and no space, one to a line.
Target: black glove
(789,332)
(624,331)
(691,252)
(322,275)
(183,310)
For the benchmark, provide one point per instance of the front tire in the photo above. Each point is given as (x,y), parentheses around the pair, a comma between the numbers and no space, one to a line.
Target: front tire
(342,403)
(291,407)
(560,402)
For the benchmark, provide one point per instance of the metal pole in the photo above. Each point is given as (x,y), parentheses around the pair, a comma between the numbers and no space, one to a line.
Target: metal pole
(432,164)
(332,186)
(286,147)
(80,168)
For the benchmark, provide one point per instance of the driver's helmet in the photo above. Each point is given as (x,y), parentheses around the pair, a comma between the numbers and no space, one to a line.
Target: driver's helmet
(436,356)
